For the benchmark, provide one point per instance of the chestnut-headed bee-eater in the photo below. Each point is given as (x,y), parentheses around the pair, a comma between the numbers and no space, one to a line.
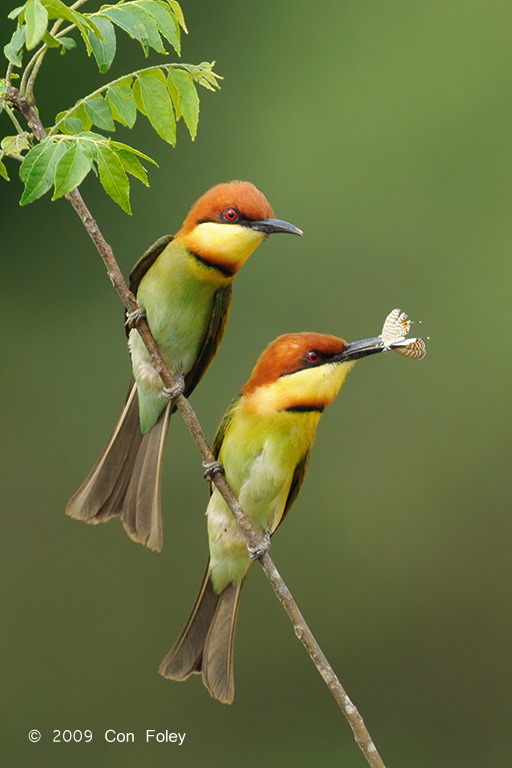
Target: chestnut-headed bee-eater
(184,284)
(264,443)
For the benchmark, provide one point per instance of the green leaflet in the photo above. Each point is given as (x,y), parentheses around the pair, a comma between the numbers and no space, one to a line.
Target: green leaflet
(104,50)
(138,23)
(118,145)
(157,104)
(98,110)
(16,11)
(175,96)
(188,99)
(15,145)
(72,168)
(138,98)
(13,49)
(84,118)
(50,41)
(72,125)
(3,171)
(178,13)
(113,177)
(58,10)
(152,31)
(38,169)
(165,21)
(30,159)
(36,19)
(132,165)
(67,42)
(204,75)
(122,102)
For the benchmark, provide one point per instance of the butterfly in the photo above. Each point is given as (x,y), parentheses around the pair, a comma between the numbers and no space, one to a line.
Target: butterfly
(394,336)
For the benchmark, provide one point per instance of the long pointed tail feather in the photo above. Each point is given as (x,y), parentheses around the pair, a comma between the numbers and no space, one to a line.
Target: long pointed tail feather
(206,643)
(141,511)
(125,481)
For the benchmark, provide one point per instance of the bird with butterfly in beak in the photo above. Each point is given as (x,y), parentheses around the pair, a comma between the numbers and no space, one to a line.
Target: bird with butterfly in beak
(264,443)
(183,285)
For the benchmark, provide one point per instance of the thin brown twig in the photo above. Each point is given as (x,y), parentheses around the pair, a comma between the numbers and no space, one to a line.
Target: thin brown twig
(284,595)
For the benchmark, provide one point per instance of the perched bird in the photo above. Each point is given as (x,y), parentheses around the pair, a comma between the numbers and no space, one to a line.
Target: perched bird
(184,284)
(264,442)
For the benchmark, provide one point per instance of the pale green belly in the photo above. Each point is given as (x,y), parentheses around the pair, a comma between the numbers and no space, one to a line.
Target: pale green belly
(260,459)
(178,309)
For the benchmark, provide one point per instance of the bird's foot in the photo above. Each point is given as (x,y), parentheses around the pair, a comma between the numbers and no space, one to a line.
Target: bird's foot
(212,468)
(171,393)
(132,318)
(261,549)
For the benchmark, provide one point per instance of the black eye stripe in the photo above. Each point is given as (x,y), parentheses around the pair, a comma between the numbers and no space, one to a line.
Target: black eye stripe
(221,218)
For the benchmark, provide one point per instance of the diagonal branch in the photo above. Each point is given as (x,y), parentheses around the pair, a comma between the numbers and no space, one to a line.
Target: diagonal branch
(283,594)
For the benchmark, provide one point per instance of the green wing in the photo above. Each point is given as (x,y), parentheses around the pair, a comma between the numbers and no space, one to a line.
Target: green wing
(214,334)
(223,428)
(296,484)
(144,263)
(224,425)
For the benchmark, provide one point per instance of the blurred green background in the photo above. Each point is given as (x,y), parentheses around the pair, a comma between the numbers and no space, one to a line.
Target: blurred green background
(383,129)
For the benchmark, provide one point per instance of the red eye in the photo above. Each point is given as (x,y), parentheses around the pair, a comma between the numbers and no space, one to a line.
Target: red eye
(312,356)
(230,214)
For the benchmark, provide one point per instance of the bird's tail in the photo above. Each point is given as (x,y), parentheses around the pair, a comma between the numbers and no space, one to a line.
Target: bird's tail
(125,481)
(206,643)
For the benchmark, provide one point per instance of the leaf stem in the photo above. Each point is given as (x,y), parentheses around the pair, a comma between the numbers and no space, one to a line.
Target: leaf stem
(102,88)
(8,74)
(13,117)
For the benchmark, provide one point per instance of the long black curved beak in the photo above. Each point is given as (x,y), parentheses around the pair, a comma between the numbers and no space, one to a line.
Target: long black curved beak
(271,226)
(357,349)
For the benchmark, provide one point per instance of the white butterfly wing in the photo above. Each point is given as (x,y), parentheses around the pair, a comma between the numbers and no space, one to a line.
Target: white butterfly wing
(396,327)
